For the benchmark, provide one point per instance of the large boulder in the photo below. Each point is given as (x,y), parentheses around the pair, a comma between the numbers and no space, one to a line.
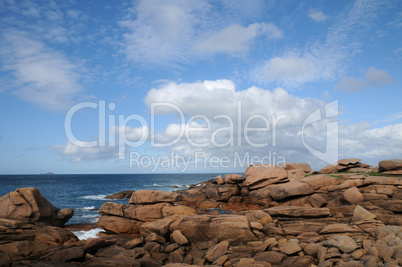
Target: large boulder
(177,210)
(121,195)
(159,227)
(145,213)
(154,196)
(361,214)
(290,189)
(193,196)
(27,204)
(260,175)
(329,169)
(199,228)
(298,166)
(391,164)
(234,178)
(353,195)
(119,225)
(319,181)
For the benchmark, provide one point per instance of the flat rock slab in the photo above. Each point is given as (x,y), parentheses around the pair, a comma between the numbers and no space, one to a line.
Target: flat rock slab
(295,211)
(154,196)
(346,162)
(383,180)
(338,228)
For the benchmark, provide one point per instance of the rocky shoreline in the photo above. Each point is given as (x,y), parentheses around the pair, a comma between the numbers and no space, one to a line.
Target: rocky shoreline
(347,214)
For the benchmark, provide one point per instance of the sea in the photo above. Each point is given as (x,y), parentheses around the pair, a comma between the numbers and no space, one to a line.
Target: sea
(86,193)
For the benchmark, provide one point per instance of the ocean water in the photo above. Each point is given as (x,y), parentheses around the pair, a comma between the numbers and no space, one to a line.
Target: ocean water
(85,193)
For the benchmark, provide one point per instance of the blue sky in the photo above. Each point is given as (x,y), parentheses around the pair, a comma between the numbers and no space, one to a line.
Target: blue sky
(253,60)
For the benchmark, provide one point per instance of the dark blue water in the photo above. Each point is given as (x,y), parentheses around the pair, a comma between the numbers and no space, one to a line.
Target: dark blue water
(85,193)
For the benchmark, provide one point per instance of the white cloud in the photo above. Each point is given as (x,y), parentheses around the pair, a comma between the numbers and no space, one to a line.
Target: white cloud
(49,20)
(372,145)
(197,98)
(377,78)
(373,78)
(77,153)
(43,76)
(110,149)
(321,60)
(359,140)
(392,117)
(318,16)
(173,32)
(350,84)
(286,68)
(236,38)
(162,31)
(214,125)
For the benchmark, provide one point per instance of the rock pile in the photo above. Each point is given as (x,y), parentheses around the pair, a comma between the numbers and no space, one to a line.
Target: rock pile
(279,216)
(348,165)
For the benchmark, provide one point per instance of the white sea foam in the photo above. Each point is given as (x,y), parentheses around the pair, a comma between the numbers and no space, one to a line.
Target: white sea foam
(95,197)
(84,235)
(87,208)
(93,218)
(182,186)
(89,215)
(154,185)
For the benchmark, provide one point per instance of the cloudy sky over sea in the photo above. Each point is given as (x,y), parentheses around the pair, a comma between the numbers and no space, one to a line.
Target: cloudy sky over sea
(197,85)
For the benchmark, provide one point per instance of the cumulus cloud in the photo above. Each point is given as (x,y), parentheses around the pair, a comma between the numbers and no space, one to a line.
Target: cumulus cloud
(277,115)
(236,38)
(372,78)
(207,119)
(43,76)
(318,16)
(372,144)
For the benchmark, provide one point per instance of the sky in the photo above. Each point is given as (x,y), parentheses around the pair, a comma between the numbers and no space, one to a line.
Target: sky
(196,85)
